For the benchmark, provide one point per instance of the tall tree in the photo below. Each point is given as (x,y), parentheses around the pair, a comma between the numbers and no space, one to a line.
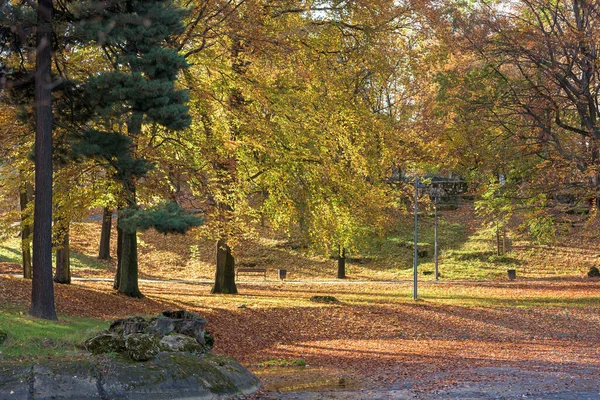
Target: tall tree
(42,296)
(139,90)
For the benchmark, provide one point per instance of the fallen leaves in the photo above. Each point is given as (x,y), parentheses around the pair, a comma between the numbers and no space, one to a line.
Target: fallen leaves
(375,334)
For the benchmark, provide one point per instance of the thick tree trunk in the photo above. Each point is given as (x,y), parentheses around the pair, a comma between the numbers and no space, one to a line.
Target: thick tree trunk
(42,288)
(225,274)
(341,274)
(63,259)
(128,278)
(104,252)
(117,280)
(26,196)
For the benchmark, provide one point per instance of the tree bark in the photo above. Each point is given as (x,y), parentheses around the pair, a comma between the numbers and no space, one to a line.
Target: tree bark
(42,288)
(104,251)
(225,274)
(128,265)
(117,280)
(26,196)
(63,258)
(341,274)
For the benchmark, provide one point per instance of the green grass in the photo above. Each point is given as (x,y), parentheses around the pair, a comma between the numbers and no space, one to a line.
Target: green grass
(463,256)
(31,338)
(10,252)
(280,362)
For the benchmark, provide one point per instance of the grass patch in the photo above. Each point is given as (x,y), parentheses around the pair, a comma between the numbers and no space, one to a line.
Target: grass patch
(280,362)
(10,251)
(32,338)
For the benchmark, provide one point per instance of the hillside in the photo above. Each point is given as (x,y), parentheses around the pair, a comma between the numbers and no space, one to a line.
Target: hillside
(467,252)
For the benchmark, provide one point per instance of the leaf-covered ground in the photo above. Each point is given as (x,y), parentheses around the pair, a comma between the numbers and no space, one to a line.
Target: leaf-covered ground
(375,337)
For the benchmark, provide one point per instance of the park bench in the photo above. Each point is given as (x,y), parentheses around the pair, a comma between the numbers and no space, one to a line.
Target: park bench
(251,271)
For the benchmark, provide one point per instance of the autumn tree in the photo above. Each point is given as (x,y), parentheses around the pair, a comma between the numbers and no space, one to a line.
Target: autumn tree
(544,55)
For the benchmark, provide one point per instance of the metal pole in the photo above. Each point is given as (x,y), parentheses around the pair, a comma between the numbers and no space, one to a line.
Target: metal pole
(437,272)
(416,246)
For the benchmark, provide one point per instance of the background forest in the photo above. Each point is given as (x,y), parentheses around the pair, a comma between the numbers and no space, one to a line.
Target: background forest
(299,124)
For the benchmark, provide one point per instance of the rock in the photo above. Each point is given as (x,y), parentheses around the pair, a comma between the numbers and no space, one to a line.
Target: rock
(141,346)
(177,342)
(105,343)
(129,325)
(142,338)
(174,376)
(3,336)
(183,322)
(182,314)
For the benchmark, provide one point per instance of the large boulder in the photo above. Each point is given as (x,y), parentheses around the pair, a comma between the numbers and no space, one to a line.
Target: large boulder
(170,376)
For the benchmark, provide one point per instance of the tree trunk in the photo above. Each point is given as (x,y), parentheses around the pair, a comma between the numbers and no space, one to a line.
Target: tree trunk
(498,242)
(225,274)
(128,278)
(26,196)
(117,280)
(104,252)
(128,260)
(63,258)
(42,288)
(341,274)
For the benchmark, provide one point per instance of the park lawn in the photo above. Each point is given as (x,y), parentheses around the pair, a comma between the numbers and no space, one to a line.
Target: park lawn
(292,342)
(31,338)
(472,317)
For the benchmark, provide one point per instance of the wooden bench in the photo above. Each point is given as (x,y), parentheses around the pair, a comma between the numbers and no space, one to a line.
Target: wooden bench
(251,271)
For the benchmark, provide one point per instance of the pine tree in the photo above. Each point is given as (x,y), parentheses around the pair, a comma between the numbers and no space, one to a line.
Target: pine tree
(139,90)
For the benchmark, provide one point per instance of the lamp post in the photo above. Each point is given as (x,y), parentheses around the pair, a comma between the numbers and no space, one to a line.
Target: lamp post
(416,244)
(435,245)
(416,239)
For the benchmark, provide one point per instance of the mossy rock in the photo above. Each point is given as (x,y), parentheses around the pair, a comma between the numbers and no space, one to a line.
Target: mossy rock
(142,346)
(176,342)
(3,336)
(105,343)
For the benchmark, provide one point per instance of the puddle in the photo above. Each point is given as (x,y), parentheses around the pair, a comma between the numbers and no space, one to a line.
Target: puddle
(298,379)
